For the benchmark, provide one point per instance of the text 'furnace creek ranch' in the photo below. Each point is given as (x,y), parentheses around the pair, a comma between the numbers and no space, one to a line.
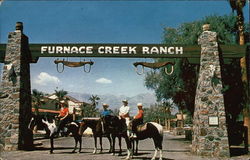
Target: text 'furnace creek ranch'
(111,50)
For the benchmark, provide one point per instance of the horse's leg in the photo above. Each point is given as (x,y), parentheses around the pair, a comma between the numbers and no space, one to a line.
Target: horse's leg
(137,143)
(95,149)
(153,158)
(74,150)
(133,145)
(80,141)
(101,143)
(129,148)
(51,144)
(160,158)
(113,139)
(110,143)
(158,145)
(120,145)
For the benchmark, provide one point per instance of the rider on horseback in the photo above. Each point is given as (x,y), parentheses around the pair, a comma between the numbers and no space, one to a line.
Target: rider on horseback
(138,120)
(63,116)
(124,114)
(106,112)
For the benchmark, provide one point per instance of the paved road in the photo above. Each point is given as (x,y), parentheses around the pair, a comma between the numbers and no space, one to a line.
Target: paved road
(175,148)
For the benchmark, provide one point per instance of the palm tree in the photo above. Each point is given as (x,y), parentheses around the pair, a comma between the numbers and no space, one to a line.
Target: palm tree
(60,95)
(37,100)
(94,100)
(238,6)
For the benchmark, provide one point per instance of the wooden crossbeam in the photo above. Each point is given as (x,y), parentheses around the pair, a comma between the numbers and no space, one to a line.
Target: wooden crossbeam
(192,52)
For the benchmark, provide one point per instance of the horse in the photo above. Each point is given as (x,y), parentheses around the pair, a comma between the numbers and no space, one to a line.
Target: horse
(73,128)
(149,130)
(51,129)
(98,131)
(117,127)
(36,120)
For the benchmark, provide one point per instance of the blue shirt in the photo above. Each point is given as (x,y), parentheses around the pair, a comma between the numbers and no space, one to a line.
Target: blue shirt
(106,113)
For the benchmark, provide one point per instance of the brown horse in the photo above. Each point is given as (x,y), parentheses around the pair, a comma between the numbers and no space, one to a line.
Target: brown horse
(97,129)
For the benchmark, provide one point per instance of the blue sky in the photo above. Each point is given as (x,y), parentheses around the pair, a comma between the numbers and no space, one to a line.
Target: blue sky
(99,22)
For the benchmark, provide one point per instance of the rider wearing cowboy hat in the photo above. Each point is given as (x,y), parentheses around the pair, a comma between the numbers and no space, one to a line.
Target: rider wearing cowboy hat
(138,119)
(124,114)
(106,111)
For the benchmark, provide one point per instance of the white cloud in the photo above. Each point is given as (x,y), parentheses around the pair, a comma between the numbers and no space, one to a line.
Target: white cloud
(103,81)
(45,79)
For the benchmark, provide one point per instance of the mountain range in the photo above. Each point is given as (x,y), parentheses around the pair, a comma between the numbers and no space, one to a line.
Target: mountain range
(115,101)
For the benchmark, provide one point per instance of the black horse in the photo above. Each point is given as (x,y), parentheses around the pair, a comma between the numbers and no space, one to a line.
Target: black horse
(97,129)
(73,128)
(117,127)
(152,130)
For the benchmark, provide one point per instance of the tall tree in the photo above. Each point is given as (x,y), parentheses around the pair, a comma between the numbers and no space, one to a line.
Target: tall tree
(238,5)
(37,100)
(60,94)
(94,100)
(181,85)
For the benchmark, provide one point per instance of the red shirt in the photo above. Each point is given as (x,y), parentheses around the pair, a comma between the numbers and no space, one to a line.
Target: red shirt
(139,114)
(63,112)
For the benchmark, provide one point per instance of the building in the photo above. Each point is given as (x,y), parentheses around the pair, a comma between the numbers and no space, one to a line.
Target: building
(50,105)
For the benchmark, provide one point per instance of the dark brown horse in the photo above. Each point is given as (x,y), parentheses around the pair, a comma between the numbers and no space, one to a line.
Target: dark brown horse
(97,129)
(117,127)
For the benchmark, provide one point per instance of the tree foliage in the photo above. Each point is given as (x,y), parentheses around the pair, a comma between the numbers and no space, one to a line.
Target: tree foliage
(181,85)
(60,94)
(91,110)
(188,33)
(158,113)
(37,100)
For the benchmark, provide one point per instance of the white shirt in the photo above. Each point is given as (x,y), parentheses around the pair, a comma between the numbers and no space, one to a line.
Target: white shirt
(124,110)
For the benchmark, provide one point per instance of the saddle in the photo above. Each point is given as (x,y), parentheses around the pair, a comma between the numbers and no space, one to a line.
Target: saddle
(141,127)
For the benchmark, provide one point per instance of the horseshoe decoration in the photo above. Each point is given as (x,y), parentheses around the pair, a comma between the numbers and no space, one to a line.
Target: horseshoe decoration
(73,64)
(154,66)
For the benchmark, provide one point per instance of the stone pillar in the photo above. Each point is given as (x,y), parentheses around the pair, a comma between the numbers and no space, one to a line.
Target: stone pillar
(15,105)
(210,136)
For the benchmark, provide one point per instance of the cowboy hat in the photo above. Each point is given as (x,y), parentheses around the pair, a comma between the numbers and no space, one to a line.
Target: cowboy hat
(125,101)
(105,105)
(139,104)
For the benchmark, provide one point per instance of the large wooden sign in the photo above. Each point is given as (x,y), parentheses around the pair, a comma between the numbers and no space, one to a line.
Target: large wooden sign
(192,52)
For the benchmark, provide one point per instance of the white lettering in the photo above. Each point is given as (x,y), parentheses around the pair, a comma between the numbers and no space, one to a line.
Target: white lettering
(81,50)
(116,50)
(66,49)
(59,49)
(89,50)
(171,50)
(74,49)
(51,49)
(101,50)
(163,50)
(154,50)
(44,49)
(179,50)
(132,50)
(124,50)
(145,50)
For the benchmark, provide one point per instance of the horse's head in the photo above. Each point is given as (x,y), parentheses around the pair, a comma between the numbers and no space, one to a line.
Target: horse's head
(51,127)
